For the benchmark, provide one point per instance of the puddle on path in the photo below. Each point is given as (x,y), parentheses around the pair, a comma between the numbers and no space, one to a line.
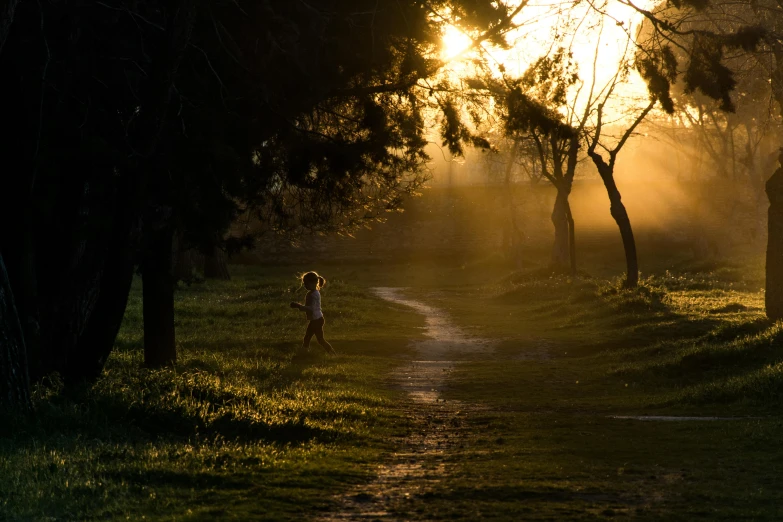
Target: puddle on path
(670,418)
(437,425)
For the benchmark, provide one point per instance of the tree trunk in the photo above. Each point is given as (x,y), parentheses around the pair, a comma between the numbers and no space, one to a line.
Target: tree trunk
(774,271)
(560,250)
(14,380)
(97,340)
(215,265)
(20,261)
(158,299)
(620,215)
(156,263)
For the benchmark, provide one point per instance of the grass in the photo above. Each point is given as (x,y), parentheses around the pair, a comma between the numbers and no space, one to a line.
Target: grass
(241,428)
(573,355)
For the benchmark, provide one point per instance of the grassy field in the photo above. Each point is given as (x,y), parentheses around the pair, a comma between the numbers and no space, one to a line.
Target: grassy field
(243,428)
(573,355)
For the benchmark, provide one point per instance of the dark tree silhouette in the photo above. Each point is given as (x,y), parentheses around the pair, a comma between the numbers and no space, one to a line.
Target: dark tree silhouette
(14,384)
(134,121)
(617,208)
(704,30)
(774,283)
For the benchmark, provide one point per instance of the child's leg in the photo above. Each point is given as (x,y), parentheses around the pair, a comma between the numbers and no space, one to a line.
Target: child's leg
(319,336)
(308,335)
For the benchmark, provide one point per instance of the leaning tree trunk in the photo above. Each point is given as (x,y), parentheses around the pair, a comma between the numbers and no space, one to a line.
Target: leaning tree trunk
(158,299)
(14,380)
(97,340)
(774,272)
(620,215)
(215,265)
(560,250)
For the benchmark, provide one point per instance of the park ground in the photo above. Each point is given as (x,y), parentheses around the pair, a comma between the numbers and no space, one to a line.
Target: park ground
(245,428)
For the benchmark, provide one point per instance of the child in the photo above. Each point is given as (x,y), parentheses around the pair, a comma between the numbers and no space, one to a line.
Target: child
(313,282)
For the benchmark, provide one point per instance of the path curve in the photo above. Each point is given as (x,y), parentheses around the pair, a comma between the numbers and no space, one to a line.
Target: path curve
(437,425)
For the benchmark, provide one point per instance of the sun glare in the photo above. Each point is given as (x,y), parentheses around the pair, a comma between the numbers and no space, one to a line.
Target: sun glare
(454,42)
(583,30)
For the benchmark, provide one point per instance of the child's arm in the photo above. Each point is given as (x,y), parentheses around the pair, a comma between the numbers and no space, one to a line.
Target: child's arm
(307,307)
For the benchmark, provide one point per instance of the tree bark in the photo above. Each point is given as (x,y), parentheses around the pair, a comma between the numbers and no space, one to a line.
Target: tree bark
(215,265)
(620,215)
(97,340)
(773,297)
(14,380)
(774,271)
(564,250)
(156,264)
(158,299)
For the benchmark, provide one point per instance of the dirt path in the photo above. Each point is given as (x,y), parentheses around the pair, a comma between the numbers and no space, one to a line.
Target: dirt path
(437,424)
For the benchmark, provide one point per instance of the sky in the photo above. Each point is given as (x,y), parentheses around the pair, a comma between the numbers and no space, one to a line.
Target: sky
(544,25)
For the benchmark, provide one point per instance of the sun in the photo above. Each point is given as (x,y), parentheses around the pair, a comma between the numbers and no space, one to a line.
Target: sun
(454,42)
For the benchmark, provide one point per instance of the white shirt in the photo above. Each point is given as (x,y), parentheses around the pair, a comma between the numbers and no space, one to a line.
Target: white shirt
(313,305)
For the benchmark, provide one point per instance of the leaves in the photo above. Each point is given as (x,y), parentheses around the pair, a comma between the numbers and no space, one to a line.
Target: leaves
(659,71)
(707,73)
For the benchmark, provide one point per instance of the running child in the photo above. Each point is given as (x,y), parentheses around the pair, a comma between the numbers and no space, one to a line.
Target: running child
(312,307)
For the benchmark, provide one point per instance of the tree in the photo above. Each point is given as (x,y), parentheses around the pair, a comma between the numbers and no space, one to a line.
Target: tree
(333,143)
(557,110)
(751,29)
(550,80)
(14,383)
(528,109)
(146,113)
(617,208)
(774,282)
(83,163)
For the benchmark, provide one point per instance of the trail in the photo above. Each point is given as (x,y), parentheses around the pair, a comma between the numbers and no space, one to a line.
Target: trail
(418,465)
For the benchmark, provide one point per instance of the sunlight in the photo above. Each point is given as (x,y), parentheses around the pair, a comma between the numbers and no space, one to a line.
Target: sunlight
(585,30)
(454,42)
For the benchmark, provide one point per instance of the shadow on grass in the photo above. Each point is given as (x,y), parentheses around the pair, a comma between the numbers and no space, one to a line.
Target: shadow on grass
(720,344)
(218,394)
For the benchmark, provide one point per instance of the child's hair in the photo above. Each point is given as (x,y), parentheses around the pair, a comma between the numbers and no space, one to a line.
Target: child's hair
(313,277)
